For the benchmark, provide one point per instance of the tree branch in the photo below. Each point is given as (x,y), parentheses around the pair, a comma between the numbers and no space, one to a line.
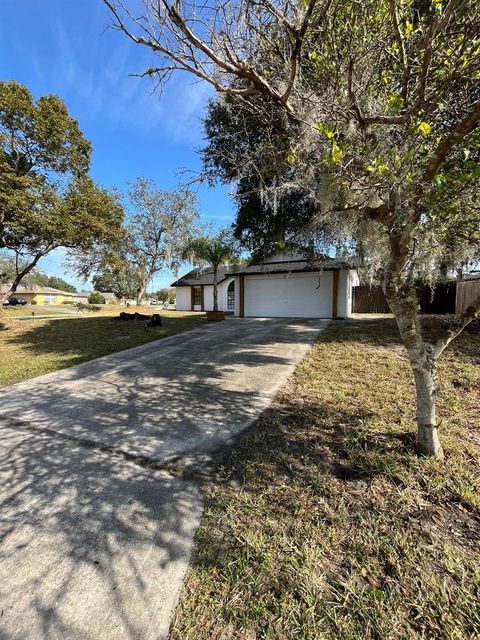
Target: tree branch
(463,128)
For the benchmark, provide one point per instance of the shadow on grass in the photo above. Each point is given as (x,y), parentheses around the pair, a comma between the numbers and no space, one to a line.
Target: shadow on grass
(384,332)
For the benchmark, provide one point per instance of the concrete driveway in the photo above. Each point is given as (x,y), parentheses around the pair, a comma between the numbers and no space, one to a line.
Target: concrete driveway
(96,529)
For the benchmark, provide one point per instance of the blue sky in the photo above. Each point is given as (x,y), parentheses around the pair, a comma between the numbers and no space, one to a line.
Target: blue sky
(64,47)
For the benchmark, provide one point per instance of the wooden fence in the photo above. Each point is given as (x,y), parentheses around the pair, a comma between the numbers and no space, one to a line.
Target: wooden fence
(467,293)
(441,298)
(369,300)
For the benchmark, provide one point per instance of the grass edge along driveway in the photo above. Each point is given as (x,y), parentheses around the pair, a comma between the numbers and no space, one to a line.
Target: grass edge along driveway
(324,524)
(34,347)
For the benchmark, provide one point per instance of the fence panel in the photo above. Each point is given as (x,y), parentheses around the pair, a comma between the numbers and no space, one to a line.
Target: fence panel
(369,300)
(467,293)
(437,299)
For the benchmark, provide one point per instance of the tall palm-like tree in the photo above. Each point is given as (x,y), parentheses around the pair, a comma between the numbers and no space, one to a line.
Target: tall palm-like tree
(213,251)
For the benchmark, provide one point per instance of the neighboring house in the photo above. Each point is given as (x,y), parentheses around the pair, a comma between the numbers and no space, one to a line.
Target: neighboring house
(36,294)
(81,296)
(108,295)
(282,286)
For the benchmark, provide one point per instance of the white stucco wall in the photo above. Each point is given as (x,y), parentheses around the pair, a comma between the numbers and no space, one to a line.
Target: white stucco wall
(308,295)
(346,281)
(183,300)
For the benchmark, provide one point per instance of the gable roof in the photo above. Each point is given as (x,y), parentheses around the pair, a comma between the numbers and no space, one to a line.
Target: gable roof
(33,288)
(199,276)
(294,266)
(205,276)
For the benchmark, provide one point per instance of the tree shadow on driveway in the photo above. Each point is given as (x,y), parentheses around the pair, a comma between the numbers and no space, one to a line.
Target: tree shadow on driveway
(91,546)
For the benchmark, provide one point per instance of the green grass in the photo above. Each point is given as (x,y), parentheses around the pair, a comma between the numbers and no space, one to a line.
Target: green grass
(32,348)
(323,523)
(10,312)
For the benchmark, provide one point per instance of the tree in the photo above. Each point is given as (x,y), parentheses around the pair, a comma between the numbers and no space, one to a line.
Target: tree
(383,103)
(213,251)
(233,135)
(165,295)
(117,274)
(47,200)
(158,231)
(96,298)
(56,282)
(7,273)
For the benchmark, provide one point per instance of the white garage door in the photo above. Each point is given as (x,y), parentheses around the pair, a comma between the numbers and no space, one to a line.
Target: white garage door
(292,296)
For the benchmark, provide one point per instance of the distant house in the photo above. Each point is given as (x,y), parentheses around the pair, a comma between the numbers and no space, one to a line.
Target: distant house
(282,286)
(36,294)
(81,296)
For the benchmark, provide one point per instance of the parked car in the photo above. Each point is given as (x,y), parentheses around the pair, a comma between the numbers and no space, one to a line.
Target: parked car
(14,300)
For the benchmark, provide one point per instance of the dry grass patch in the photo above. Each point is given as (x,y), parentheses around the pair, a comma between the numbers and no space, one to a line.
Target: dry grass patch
(32,348)
(324,524)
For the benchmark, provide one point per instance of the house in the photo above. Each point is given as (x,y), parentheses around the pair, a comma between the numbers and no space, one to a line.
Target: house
(81,296)
(281,286)
(37,294)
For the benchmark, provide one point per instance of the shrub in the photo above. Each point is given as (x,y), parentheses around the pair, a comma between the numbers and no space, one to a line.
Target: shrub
(96,298)
(81,306)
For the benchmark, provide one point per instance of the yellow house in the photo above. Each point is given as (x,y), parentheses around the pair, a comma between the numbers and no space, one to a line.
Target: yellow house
(36,294)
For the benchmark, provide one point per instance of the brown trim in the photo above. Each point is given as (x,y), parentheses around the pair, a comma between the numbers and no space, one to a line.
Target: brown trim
(242,296)
(335,295)
(191,299)
(202,306)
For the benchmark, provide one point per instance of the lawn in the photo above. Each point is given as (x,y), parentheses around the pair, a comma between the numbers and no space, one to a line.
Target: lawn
(322,523)
(13,311)
(31,348)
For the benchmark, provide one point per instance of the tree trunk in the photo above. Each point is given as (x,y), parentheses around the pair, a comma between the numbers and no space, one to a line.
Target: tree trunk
(140,293)
(424,373)
(141,289)
(215,289)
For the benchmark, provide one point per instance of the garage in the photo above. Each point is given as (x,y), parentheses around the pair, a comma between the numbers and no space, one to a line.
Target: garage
(308,295)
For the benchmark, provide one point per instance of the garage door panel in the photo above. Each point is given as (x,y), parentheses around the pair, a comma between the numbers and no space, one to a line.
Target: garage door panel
(289,296)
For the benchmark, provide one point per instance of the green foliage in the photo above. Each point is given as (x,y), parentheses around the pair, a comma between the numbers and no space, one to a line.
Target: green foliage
(96,298)
(214,250)
(47,200)
(166,295)
(265,214)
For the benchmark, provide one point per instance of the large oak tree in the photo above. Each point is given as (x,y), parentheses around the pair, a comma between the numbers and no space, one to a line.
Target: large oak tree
(47,199)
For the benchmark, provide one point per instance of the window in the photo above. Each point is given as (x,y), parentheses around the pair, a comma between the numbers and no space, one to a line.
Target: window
(197,296)
(231,296)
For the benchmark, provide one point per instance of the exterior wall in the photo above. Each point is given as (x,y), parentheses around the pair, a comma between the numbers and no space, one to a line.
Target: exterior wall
(183,301)
(237,296)
(307,295)
(184,297)
(43,298)
(208,297)
(344,304)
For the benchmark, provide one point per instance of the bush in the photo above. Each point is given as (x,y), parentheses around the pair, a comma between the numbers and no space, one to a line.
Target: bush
(96,298)
(81,306)
(114,301)
(68,302)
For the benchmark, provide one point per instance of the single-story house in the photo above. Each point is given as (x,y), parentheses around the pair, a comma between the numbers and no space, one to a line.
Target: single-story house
(279,287)
(81,296)
(36,294)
